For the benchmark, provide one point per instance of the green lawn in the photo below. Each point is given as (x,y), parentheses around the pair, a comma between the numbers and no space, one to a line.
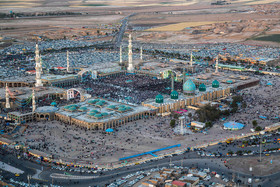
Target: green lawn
(270,38)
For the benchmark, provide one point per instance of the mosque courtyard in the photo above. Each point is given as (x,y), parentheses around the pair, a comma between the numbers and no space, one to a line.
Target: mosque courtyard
(72,143)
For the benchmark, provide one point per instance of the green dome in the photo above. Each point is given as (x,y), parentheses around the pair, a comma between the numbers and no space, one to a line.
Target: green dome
(104,114)
(122,106)
(99,103)
(202,88)
(159,98)
(98,115)
(67,107)
(174,94)
(122,109)
(189,87)
(95,111)
(91,102)
(91,114)
(112,107)
(83,108)
(128,108)
(215,84)
(72,108)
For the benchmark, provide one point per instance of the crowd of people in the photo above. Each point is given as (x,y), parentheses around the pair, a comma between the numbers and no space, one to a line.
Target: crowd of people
(130,88)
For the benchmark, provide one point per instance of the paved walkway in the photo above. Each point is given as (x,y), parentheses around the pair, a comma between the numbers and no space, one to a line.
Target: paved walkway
(10,168)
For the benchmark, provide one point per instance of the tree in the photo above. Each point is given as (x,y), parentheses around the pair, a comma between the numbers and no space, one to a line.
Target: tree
(190,115)
(244,105)
(172,123)
(255,123)
(258,128)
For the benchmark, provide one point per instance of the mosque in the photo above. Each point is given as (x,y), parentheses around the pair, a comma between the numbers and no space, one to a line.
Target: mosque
(101,113)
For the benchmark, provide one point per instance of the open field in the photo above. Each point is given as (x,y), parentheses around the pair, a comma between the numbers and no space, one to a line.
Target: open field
(261,2)
(181,26)
(271,38)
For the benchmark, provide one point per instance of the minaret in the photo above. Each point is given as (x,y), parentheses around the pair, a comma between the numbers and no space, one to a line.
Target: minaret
(217,63)
(121,55)
(38,68)
(191,62)
(172,82)
(184,76)
(41,65)
(33,101)
(130,67)
(68,64)
(141,53)
(7,98)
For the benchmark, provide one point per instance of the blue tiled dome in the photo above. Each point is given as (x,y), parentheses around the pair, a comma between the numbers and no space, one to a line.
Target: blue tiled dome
(189,87)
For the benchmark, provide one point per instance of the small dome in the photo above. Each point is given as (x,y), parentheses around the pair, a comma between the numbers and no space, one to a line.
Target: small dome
(215,84)
(105,114)
(98,115)
(189,87)
(159,98)
(83,108)
(128,108)
(174,94)
(99,103)
(91,101)
(122,109)
(67,107)
(112,107)
(95,111)
(202,88)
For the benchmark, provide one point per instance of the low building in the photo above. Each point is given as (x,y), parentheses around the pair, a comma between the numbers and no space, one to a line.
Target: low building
(197,124)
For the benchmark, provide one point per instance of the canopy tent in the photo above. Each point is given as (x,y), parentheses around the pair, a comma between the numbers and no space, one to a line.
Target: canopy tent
(232,125)
(109,130)
(262,117)
(269,84)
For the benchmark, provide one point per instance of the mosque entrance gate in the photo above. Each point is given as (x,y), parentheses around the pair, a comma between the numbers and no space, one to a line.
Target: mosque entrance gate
(71,93)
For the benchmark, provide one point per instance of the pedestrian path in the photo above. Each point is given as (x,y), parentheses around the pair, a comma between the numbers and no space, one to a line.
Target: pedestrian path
(10,168)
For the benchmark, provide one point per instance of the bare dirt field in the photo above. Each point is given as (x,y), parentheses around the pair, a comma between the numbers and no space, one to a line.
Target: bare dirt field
(258,168)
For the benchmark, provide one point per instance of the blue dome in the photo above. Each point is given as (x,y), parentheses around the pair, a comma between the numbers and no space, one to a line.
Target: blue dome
(189,87)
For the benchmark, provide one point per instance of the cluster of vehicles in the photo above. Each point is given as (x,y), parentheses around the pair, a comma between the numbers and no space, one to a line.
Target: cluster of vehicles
(130,179)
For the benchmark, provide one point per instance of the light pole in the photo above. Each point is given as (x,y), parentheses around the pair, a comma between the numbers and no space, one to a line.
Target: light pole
(261,133)
(28,178)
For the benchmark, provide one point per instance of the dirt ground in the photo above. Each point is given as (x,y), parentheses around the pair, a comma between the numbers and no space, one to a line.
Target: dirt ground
(265,167)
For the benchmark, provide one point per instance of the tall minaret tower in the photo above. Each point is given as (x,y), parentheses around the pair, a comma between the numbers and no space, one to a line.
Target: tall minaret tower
(191,62)
(68,64)
(172,81)
(141,53)
(217,63)
(130,67)
(41,65)
(184,76)
(33,101)
(38,68)
(7,98)
(120,55)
